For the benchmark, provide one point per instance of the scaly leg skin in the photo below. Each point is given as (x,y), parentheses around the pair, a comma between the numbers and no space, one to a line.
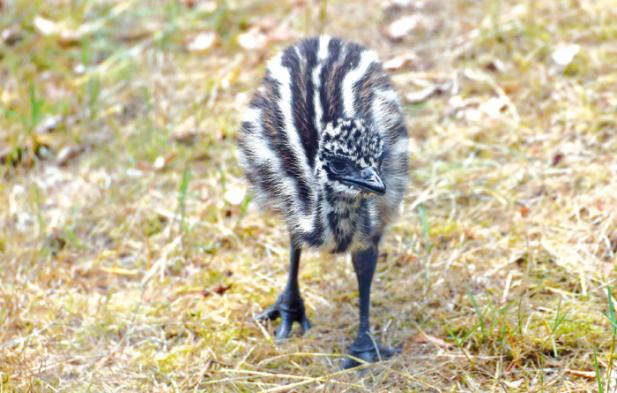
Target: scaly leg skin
(365,347)
(289,306)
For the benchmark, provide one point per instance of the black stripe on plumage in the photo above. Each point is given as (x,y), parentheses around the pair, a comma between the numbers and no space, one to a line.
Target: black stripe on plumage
(364,90)
(330,101)
(302,95)
(278,138)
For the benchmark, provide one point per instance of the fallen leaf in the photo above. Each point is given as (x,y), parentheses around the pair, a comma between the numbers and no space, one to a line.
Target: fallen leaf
(67,35)
(45,26)
(162,161)
(557,158)
(253,39)
(416,97)
(398,29)
(11,35)
(524,210)
(189,3)
(494,106)
(234,195)
(220,289)
(514,384)
(67,154)
(495,65)
(427,338)
(565,53)
(49,124)
(202,41)
(159,163)
(405,60)
(207,6)
(581,373)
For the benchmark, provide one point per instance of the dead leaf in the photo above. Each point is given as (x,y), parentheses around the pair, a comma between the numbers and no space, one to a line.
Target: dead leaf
(565,53)
(68,35)
(67,154)
(495,65)
(45,26)
(202,41)
(11,35)
(416,97)
(219,289)
(159,163)
(207,6)
(398,29)
(514,384)
(253,39)
(581,373)
(406,60)
(493,106)
(234,195)
(427,338)
(49,124)
(189,3)
(557,158)
(162,161)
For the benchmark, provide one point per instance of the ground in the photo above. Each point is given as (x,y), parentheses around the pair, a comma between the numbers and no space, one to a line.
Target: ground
(132,257)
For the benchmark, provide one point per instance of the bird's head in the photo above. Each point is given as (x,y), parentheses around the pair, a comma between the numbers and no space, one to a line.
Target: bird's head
(349,159)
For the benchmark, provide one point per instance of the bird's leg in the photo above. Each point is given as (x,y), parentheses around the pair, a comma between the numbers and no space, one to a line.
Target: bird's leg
(365,347)
(289,305)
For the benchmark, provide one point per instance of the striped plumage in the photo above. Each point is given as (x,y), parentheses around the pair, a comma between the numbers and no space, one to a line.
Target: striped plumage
(324,144)
(308,88)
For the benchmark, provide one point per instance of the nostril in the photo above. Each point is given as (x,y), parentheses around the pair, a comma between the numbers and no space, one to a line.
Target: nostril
(366,173)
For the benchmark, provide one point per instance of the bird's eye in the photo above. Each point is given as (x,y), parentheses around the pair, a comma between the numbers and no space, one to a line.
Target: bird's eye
(338,166)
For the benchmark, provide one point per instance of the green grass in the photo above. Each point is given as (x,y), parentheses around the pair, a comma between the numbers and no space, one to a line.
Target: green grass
(139,262)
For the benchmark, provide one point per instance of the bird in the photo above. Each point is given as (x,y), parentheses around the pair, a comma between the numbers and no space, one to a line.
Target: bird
(324,145)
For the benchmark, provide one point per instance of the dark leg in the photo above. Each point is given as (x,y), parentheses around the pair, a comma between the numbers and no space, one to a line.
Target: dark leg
(365,347)
(289,305)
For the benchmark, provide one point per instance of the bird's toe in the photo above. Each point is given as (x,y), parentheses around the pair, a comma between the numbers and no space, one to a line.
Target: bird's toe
(289,309)
(305,323)
(284,330)
(269,314)
(359,356)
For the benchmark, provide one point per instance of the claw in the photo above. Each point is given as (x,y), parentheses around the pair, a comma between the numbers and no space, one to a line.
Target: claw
(270,314)
(290,308)
(284,329)
(362,352)
(305,323)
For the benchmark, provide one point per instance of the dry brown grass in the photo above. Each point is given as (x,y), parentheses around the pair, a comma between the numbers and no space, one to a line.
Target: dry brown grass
(136,264)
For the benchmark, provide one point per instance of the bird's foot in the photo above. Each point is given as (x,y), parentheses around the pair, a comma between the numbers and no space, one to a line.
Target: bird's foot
(290,308)
(365,349)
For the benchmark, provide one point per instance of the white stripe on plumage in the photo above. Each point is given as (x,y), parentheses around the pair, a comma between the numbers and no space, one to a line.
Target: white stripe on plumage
(282,74)
(367,58)
(262,154)
(322,56)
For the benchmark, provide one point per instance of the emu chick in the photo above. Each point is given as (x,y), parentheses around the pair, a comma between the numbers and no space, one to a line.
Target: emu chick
(324,144)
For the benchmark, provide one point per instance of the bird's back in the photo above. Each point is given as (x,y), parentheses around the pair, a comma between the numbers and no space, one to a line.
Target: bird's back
(307,86)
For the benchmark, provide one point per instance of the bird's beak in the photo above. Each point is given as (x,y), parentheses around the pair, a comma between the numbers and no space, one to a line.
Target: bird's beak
(366,180)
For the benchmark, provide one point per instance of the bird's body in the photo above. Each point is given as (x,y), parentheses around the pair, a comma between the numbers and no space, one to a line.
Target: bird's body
(324,144)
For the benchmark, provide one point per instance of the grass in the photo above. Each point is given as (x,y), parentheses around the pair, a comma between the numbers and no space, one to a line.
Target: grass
(132,258)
